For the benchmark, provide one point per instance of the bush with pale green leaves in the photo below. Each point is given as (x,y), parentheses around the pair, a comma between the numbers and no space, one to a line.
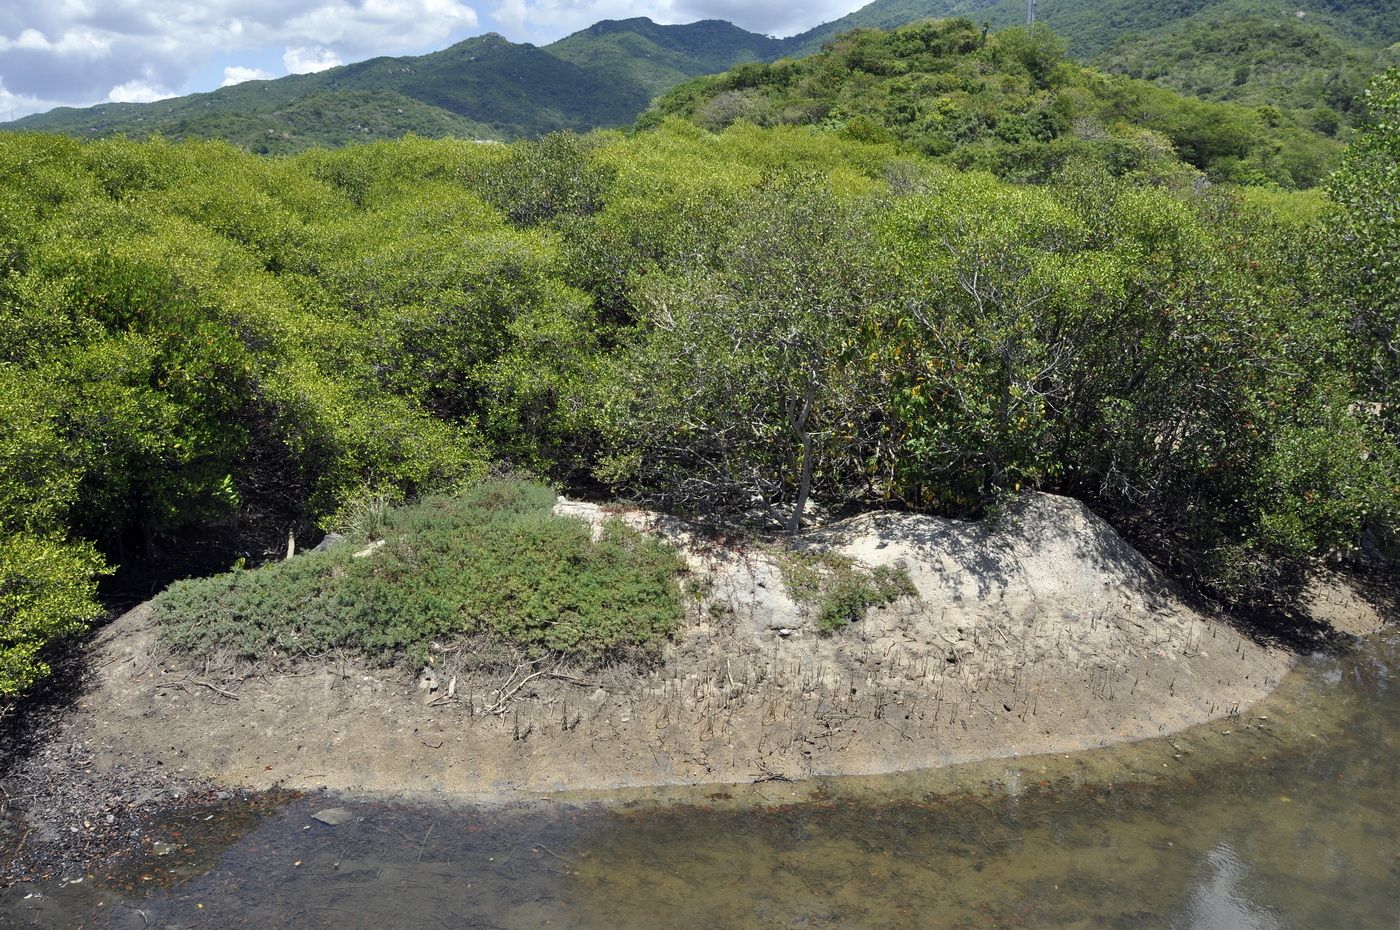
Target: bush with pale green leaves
(47,592)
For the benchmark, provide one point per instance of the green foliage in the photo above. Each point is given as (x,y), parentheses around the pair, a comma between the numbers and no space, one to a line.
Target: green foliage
(744,386)
(47,592)
(1010,103)
(552,177)
(837,589)
(489,560)
(1254,57)
(365,516)
(1175,361)
(1364,243)
(197,340)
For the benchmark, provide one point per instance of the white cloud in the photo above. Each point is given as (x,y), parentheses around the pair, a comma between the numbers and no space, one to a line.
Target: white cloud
(237,75)
(34,40)
(13,106)
(73,42)
(513,15)
(304,60)
(136,92)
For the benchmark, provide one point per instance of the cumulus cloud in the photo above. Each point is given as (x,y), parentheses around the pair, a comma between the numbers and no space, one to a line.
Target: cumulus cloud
(84,51)
(136,92)
(12,106)
(304,60)
(236,74)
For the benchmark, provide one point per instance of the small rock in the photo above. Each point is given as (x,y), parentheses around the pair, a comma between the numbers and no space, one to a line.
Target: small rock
(330,540)
(333,816)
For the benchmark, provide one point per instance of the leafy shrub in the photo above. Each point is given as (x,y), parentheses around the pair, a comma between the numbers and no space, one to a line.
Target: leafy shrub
(838,589)
(492,559)
(550,177)
(47,592)
(1364,243)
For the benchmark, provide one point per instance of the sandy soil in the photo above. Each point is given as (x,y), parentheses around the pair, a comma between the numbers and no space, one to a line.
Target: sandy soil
(1045,633)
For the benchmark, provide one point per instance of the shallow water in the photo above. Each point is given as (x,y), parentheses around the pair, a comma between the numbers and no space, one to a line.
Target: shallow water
(1288,817)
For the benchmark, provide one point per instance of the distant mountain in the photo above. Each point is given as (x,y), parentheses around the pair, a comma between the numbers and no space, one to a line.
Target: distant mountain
(484,87)
(648,58)
(1247,51)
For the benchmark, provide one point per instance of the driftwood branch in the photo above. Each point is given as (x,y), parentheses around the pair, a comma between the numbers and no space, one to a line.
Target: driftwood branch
(509,692)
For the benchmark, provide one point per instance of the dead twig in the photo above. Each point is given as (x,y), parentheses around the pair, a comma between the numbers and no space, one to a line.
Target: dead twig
(427,836)
(543,848)
(212,687)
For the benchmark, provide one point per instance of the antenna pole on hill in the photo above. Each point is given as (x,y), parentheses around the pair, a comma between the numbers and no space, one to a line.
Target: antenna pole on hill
(1030,12)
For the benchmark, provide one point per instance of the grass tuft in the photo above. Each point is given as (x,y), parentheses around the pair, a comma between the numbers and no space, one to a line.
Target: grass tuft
(838,589)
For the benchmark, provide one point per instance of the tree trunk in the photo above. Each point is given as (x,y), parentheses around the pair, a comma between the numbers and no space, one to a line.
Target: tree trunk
(804,484)
(804,487)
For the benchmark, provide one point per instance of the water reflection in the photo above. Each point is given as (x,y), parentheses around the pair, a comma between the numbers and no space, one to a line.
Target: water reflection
(1257,823)
(1219,902)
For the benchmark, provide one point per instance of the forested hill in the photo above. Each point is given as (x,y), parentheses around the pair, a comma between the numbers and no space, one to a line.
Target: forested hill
(484,87)
(1009,102)
(1094,26)
(1309,60)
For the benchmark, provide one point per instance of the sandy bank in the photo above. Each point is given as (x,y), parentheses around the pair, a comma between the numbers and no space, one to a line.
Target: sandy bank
(1046,633)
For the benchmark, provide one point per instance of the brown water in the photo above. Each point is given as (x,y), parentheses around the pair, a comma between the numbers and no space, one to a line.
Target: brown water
(1290,821)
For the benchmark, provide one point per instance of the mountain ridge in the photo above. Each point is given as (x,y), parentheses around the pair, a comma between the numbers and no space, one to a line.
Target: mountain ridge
(607,74)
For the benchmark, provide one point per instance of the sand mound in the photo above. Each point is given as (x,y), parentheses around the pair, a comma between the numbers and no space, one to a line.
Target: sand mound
(1047,574)
(1041,632)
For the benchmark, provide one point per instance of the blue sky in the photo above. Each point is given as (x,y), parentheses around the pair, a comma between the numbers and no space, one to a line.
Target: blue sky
(81,52)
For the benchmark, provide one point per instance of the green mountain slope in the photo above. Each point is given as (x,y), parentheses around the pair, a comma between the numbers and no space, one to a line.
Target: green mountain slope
(1253,52)
(1240,53)
(1009,102)
(327,118)
(484,87)
(653,58)
(1093,26)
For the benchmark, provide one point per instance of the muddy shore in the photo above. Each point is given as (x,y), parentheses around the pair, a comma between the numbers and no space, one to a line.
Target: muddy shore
(1044,634)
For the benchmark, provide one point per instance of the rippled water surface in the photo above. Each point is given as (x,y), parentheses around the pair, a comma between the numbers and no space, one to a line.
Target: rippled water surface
(1288,817)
